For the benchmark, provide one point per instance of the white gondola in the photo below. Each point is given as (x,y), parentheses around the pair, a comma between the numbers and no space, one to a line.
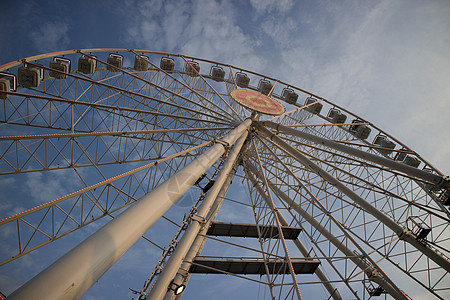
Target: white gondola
(361,131)
(382,141)
(264,86)
(242,80)
(167,64)
(115,62)
(59,64)
(314,108)
(141,63)
(289,96)
(30,76)
(335,116)
(87,65)
(217,73)
(192,68)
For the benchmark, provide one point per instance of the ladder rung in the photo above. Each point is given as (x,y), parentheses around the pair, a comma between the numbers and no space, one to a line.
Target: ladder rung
(250,230)
(251,266)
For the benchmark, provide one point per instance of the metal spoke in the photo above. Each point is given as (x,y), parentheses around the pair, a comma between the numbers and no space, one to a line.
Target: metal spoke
(327,204)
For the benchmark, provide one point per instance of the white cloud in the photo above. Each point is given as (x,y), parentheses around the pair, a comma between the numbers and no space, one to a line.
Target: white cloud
(280,31)
(199,28)
(50,36)
(47,186)
(265,6)
(386,61)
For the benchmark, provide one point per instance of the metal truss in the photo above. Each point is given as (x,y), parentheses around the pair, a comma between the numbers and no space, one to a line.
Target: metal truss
(372,216)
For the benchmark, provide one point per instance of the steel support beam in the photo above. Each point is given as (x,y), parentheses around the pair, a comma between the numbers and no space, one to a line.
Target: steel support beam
(370,271)
(198,221)
(402,232)
(395,165)
(183,275)
(74,273)
(273,208)
(320,274)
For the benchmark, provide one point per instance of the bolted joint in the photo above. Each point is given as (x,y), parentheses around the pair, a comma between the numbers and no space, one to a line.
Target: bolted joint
(199,219)
(445,182)
(406,235)
(181,275)
(226,145)
(444,196)
(373,275)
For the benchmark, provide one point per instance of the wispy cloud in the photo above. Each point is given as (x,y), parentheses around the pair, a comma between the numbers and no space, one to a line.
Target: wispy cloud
(386,61)
(266,6)
(50,36)
(199,28)
(380,60)
(47,187)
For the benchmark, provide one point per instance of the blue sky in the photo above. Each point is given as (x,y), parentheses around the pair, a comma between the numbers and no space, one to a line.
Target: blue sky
(384,60)
(387,61)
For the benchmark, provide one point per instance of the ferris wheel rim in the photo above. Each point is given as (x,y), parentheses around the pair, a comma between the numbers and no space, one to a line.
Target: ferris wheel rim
(7,66)
(68,52)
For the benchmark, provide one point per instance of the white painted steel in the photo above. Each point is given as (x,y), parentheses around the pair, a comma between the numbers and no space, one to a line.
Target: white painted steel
(401,231)
(373,274)
(271,204)
(176,259)
(182,276)
(74,273)
(395,165)
(319,273)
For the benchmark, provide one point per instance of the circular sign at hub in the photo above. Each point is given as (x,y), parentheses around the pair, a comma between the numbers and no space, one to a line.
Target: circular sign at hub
(258,102)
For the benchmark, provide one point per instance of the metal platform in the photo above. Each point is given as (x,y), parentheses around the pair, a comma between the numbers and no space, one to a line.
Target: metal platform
(250,230)
(250,266)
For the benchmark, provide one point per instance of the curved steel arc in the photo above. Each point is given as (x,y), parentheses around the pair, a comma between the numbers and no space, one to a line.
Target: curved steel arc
(37,57)
(341,187)
(163,88)
(402,232)
(125,91)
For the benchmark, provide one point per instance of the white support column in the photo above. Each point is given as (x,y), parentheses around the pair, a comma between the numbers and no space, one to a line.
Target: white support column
(74,273)
(183,275)
(176,259)
(403,233)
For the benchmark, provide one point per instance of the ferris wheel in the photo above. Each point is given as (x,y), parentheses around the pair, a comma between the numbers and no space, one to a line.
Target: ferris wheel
(218,170)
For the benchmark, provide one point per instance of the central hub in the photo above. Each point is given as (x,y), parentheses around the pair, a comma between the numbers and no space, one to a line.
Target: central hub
(258,102)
